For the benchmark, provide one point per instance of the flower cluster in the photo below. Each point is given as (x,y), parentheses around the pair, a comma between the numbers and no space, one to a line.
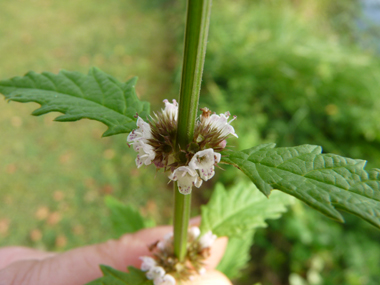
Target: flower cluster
(154,141)
(155,272)
(164,268)
(140,138)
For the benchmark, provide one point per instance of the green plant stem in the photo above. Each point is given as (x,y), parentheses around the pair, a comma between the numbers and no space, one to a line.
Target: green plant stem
(197,22)
(181,221)
(196,32)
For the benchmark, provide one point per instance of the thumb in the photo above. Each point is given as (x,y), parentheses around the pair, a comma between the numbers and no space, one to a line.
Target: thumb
(81,265)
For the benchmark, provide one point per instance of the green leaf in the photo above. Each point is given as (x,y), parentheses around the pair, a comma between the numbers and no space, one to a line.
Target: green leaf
(325,182)
(236,255)
(240,210)
(96,96)
(237,213)
(112,276)
(125,218)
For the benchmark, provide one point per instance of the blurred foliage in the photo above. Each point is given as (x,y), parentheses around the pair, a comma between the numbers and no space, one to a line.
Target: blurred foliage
(288,76)
(292,73)
(125,218)
(292,70)
(309,247)
(54,176)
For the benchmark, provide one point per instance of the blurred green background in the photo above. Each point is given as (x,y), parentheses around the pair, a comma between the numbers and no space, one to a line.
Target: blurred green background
(294,72)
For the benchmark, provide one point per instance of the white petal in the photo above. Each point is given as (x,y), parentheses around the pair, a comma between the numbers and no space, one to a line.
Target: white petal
(138,161)
(158,281)
(221,123)
(207,239)
(166,242)
(181,172)
(165,280)
(143,126)
(171,109)
(147,263)
(155,272)
(217,157)
(230,130)
(223,143)
(207,173)
(194,232)
(198,182)
(168,280)
(186,177)
(132,136)
(145,154)
(204,160)
(184,187)
(139,139)
(143,131)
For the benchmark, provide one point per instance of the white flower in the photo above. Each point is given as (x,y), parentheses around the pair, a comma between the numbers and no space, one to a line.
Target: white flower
(165,280)
(186,177)
(147,263)
(145,154)
(139,139)
(143,131)
(204,160)
(223,143)
(194,232)
(198,182)
(171,109)
(144,128)
(220,123)
(155,272)
(166,242)
(207,240)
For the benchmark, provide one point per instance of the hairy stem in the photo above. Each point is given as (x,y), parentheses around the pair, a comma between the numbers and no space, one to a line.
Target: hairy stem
(181,222)
(196,32)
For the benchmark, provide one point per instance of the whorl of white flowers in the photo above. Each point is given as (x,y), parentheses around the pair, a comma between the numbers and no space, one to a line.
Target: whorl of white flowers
(154,142)
(163,267)
(155,272)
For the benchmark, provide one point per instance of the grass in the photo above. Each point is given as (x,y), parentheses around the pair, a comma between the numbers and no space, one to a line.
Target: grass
(54,176)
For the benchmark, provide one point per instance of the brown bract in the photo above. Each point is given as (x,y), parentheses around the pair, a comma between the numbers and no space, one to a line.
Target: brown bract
(164,129)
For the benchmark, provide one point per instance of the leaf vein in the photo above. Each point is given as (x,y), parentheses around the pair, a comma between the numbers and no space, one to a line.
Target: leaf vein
(311,178)
(75,83)
(50,80)
(66,94)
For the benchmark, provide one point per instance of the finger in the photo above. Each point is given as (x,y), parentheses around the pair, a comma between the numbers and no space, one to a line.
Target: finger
(82,264)
(12,254)
(217,252)
(195,222)
(212,277)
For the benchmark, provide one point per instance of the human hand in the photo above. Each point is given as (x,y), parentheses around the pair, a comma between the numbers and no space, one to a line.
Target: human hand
(25,266)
